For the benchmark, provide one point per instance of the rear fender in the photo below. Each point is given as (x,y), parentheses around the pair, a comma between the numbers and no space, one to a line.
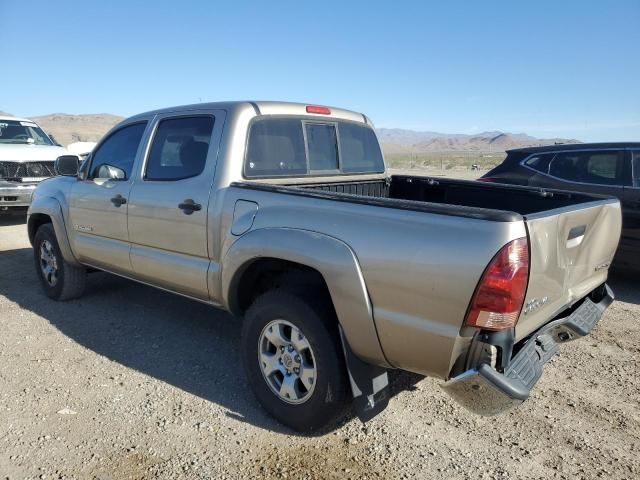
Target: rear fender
(335,261)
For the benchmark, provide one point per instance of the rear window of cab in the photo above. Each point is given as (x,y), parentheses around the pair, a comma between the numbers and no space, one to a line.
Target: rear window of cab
(298,146)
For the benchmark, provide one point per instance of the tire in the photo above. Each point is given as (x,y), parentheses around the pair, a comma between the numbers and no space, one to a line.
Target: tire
(324,402)
(59,279)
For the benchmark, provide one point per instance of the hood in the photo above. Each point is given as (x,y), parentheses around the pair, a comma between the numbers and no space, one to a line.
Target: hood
(30,153)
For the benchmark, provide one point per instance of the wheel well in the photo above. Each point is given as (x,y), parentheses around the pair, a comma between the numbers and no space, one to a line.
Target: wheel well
(36,220)
(266,274)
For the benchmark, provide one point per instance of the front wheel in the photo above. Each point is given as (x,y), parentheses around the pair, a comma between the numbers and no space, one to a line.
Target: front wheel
(59,279)
(294,361)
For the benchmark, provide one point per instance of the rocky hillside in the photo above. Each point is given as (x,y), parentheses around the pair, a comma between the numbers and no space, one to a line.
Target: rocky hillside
(408,141)
(77,128)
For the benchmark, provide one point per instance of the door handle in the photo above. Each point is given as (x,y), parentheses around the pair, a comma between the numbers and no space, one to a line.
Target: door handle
(189,206)
(118,200)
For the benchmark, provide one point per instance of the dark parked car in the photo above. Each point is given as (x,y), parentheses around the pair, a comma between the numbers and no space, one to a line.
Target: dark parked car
(602,168)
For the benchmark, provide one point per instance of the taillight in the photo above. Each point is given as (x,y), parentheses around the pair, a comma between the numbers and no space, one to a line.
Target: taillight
(488,179)
(499,296)
(318,109)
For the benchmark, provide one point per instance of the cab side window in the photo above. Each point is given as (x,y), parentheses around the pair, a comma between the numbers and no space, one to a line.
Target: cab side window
(597,167)
(115,156)
(179,148)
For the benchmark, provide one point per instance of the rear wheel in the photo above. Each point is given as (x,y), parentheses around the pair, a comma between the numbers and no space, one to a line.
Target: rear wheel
(294,361)
(59,279)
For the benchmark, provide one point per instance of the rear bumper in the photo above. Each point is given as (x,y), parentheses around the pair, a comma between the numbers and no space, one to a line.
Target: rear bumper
(15,196)
(485,391)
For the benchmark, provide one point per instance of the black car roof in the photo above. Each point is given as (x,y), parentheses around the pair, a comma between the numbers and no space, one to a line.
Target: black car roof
(575,146)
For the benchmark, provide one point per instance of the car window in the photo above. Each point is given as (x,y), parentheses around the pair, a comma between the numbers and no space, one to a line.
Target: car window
(359,149)
(540,162)
(600,167)
(276,147)
(179,148)
(322,143)
(115,156)
(636,167)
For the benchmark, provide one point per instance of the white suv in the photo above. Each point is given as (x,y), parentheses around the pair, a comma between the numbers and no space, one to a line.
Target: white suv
(27,156)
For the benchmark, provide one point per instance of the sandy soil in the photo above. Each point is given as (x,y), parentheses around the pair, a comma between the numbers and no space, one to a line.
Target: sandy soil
(132,382)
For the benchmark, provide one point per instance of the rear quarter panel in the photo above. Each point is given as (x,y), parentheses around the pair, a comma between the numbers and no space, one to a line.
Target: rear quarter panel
(420,269)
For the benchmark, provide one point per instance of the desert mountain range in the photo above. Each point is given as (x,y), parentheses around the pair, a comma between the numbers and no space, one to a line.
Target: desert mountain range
(396,140)
(68,128)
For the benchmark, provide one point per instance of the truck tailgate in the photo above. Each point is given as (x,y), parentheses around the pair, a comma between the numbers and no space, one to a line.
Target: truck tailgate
(571,250)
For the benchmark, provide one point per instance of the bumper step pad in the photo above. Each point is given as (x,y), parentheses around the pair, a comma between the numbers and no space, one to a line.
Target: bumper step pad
(488,392)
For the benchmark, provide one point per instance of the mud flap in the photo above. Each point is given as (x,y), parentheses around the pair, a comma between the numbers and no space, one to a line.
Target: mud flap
(369,384)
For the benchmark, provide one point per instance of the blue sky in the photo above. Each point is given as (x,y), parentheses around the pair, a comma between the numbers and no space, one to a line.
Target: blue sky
(547,68)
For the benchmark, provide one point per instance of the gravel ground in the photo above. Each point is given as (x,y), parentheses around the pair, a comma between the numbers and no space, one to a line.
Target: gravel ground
(132,382)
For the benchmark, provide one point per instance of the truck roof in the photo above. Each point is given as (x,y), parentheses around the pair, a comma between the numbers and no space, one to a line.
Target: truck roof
(263,108)
(575,146)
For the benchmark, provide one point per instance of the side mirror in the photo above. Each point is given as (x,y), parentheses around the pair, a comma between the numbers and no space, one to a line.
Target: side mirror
(67,165)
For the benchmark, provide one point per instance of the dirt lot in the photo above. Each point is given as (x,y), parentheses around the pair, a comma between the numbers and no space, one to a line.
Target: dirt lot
(131,382)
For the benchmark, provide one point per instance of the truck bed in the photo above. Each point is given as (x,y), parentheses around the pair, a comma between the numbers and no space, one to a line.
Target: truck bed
(459,193)
(462,198)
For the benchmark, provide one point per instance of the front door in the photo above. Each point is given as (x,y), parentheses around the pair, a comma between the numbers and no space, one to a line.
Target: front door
(168,203)
(98,203)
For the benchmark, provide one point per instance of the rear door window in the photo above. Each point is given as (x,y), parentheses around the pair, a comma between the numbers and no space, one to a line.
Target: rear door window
(297,146)
(597,167)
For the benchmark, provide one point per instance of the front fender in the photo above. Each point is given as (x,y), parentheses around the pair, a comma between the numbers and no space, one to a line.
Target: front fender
(335,261)
(49,206)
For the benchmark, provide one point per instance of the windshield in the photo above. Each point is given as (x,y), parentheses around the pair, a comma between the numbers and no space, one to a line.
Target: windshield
(17,132)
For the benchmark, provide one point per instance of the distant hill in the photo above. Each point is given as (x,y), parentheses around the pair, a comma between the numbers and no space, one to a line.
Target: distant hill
(396,140)
(77,128)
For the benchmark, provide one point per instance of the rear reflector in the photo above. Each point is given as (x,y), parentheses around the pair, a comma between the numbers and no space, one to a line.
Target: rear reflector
(318,109)
(499,296)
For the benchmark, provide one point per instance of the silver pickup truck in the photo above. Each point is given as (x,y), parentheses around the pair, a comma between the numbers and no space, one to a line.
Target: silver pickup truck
(284,215)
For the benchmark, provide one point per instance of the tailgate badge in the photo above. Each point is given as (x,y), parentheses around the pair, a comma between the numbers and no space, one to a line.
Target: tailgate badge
(534,304)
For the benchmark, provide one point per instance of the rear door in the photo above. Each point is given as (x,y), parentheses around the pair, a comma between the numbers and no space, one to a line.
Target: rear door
(98,203)
(571,250)
(630,243)
(168,202)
